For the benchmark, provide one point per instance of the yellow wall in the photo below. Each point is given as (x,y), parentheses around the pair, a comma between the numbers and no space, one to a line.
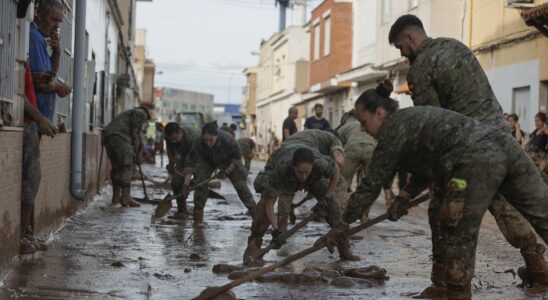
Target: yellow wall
(490,21)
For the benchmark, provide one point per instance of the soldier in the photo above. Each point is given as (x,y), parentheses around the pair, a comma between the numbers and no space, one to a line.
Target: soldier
(444,72)
(289,169)
(468,164)
(215,149)
(327,143)
(358,149)
(247,146)
(179,142)
(121,140)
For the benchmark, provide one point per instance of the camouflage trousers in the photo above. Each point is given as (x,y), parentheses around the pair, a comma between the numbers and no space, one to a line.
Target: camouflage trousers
(177,181)
(456,212)
(247,156)
(31,175)
(238,178)
(356,157)
(260,222)
(121,153)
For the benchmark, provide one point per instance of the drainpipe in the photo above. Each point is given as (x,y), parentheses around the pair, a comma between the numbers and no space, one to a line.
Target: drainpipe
(77,137)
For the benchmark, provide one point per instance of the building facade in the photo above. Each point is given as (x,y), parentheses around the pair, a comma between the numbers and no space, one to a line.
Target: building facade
(513,55)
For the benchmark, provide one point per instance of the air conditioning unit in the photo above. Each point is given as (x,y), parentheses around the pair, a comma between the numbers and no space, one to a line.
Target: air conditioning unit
(520,3)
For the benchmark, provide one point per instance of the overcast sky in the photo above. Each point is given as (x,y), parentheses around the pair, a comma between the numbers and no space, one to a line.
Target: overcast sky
(204,45)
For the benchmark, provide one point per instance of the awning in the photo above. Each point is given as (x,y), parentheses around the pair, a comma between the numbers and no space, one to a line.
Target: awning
(402,89)
(537,17)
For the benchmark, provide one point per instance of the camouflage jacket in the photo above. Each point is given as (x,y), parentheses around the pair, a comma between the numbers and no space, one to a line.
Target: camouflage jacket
(128,125)
(446,73)
(224,152)
(426,141)
(352,134)
(323,141)
(279,177)
(177,152)
(246,145)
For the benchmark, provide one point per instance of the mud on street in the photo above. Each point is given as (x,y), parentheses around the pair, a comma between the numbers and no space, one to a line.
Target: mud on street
(111,252)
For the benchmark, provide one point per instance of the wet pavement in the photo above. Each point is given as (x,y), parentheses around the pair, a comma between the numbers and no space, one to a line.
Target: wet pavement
(110,252)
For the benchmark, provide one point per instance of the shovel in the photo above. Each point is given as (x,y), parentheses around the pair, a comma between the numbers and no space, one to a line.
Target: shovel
(143,183)
(165,205)
(211,292)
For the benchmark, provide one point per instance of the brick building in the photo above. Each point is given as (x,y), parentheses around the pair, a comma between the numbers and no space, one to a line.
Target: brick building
(330,54)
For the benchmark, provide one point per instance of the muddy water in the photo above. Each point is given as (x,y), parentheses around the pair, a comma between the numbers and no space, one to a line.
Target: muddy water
(109,252)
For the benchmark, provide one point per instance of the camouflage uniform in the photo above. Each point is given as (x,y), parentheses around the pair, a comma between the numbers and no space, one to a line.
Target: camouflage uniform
(202,161)
(278,178)
(247,146)
(120,139)
(326,143)
(446,73)
(177,153)
(358,148)
(467,164)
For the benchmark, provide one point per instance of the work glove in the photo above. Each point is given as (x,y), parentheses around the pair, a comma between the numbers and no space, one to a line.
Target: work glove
(169,168)
(396,209)
(334,234)
(277,240)
(322,207)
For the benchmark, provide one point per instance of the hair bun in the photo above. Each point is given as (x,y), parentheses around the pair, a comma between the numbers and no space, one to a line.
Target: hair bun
(385,88)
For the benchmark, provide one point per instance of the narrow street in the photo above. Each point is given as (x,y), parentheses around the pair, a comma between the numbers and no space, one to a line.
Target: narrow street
(110,252)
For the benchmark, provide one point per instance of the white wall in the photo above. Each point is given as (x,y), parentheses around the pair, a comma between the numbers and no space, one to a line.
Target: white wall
(505,79)
(96,26)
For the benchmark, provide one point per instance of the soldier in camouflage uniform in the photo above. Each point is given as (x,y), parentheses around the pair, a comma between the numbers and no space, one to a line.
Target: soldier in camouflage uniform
(247,146)
(121,139)
(179,142)
(358,150)
(215,149)
(466,162)
(327,143)
(289,169)
(444,72)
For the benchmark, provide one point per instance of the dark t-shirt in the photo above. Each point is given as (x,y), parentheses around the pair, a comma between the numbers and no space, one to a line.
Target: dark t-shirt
(289,124)
(313,123)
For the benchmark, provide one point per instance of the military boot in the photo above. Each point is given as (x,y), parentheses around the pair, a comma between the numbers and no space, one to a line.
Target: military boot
(198,217)
(461,293)
(116,194)
(182,211)
(253,246)
(438,289)
(345,250)
(535,271)
(126,200)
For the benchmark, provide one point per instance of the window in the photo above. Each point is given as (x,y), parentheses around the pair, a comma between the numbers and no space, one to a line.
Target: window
(316,41)
(327,36)
(385,11)
(413,4)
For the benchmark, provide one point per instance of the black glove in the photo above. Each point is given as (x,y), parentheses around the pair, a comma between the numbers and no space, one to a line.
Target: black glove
(169,168)
(277,241)
(396,210)
(322,207)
